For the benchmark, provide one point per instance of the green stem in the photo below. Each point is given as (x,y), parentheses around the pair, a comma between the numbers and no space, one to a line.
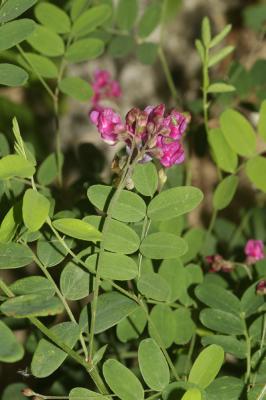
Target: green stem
(210,228)
(248,358)
(168,75)
(145,229)
(262,393)
(190,352)
(239,229)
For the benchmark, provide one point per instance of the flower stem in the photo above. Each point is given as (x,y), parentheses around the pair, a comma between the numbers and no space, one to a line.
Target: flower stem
(168,75)
(248,358)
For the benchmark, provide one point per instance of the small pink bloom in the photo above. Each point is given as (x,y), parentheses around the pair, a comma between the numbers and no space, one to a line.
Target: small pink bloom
(115,89)
(109,124)
(254,251)
(261,287)
(101,77)
(172,152)
(104,87)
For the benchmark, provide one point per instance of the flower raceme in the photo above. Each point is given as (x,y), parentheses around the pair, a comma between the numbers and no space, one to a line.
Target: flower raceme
(254,251)
(151,132)
(104,87)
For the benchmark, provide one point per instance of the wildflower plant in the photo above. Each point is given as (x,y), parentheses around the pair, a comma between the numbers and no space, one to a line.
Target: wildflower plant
(129,299)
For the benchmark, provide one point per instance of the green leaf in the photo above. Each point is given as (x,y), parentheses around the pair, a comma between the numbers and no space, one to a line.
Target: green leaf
(220,87)
(251,302)
(48,170)
(33,284)
(77,229)
(206,31)
(229,343)
(111,308)
(74,282)
(163,323)
(31,305)
(114,266)
(225,157)
(120,238)
(4,145)
(217,297)
(46,42)
(14,165)
(12,9)
(147,54)
(14,255)
(35,210)
(174,202)
(224,192)
(207,366)
(170,9)
(79,393)
(76,88)
(129,207)
(84,50)
(50,251)
(153,286)
(195,240)
(175,275)
(13,392)
(192,394)
(220,36)
(126,14)
(262,121)
(216,58)
(52,17)
(121,46)
(78,7)
(153,365)
(15,32)
(11,75)
(145,178)
(132,326)
(10,350)
(122,381)
(222,321)
(42,65)
(254,18)
(185,327)
(255,170)
(47,357)
(200,49)
(10,223)
(149,20)
(91,19)
(229,388)
(163,245)
(238,132)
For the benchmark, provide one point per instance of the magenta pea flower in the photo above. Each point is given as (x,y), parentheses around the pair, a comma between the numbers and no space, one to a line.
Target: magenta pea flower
(254,251)
(104,87)
(108,123)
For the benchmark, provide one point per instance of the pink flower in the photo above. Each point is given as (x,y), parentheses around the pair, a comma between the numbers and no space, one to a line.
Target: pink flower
(254,251)
(104,87)
(172,152)
(108,123)
(261,287)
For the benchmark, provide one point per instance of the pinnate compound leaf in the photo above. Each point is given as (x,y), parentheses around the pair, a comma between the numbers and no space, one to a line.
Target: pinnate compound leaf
(163,246)
(174,202)
(256,172)
(35,209)
(215,58)
(74,282)
(225,192)
(15,32)
(122,381)
(10,350)
(145,178)
(207,366)
(47,357)
(77,229)
(15,165)
(46,42)
(91,19)
(129,207)
(76,87)
(126,14)
(79,393)
(14,255)
(153,365)
(84,50)
(11,75)
(114,266)
(52,17)
(238,132)
(12,9)
(224,156)
(31,305)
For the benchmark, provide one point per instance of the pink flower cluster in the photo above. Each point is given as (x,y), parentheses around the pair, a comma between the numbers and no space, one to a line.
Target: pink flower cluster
(218,263)
(152,132)
(104,87)
(254,251)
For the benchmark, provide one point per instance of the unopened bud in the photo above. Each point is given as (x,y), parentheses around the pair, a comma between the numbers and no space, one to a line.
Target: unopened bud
(27,392)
